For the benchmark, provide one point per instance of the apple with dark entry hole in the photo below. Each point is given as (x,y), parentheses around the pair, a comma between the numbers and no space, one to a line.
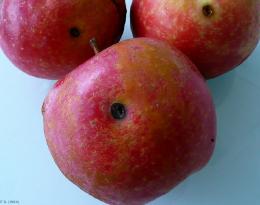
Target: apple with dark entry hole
(131,123)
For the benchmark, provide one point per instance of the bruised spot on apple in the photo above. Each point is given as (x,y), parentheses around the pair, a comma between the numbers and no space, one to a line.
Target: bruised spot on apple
(48,39)
(131,123)
(216,35)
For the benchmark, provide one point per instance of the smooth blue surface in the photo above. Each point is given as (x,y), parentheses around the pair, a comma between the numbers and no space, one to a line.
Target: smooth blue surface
(28,173)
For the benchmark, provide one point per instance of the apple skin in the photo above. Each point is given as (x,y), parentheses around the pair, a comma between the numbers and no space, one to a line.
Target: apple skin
(168,132)
(216,42)
(41,37)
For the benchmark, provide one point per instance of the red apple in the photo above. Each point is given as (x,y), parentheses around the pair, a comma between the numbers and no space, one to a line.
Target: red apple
(131,123)
(48,39)
(217,35)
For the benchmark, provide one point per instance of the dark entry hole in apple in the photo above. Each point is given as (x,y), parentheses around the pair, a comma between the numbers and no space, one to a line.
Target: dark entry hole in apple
(208,10)
(118,111)
(212,140)
(74,32)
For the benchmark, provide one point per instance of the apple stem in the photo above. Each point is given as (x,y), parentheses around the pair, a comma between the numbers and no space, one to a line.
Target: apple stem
(94,46)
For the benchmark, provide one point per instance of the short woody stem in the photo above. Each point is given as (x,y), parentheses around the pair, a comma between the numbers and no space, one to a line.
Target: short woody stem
(94,46)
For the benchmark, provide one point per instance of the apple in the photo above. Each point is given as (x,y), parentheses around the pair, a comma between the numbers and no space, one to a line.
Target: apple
(48,39)
(131,123)
(217,35)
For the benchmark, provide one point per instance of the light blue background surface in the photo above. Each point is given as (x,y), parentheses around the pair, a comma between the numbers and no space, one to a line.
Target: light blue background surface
(28,173)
